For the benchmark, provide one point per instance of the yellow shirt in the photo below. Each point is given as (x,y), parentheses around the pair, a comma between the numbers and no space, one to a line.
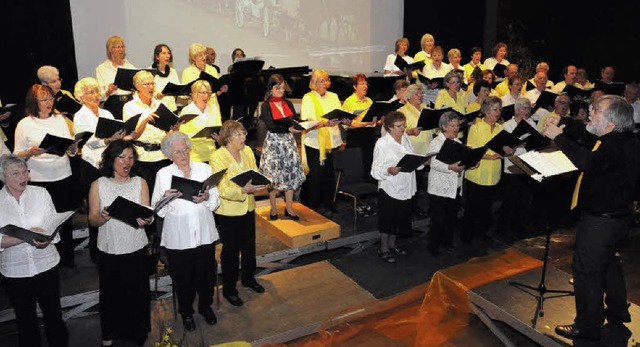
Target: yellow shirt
(473,106)
(201,147)
(191,73)
(445,100)
(468,69)
(420,143)
(488,172)
(232,201)
(352,103)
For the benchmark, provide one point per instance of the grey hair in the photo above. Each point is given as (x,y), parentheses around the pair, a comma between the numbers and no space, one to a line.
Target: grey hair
(412,89)
(451,74)
(445,118)
(9,160)
(46,73)
(488,102)
(170,139)
(522,103)
(83,85)
(619,112)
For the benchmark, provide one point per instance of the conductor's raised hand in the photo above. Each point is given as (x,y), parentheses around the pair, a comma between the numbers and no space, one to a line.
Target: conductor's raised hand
(552,130)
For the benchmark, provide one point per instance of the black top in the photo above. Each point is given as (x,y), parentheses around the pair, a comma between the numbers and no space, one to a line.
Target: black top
(267,118)
(610,173)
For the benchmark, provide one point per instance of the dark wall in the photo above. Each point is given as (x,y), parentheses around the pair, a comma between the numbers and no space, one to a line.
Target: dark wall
(35,33)
(560,32)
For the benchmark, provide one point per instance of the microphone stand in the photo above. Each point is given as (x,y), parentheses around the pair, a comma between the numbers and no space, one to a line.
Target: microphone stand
(542,289)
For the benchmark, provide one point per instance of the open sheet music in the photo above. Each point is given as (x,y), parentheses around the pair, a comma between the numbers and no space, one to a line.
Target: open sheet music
(547,163)
(51,228)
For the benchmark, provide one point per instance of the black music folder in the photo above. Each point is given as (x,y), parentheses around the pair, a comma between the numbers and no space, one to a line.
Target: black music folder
(546,100)
(614,88)
(206,132)
(402,64)
(8,108)
(55,144)
(190,188)
(177,89)
(531,137)
(430,118)
(429,81)
(124,77)
(51,229)
(66,104)
(468,118)
(529,86)
(289,122)
(107,127)
(215,83)
(453,152)
(577,93)
(503,138)
(166,119)
(128,211)
(256,178)
(499,70)
(82,138)
(508,112)
(380,109)
(339,114)
(411,162)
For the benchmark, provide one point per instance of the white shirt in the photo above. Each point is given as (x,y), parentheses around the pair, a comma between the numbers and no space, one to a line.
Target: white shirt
(442,181)
(328,102)
(106,74)
(30,132)
(161,82)
(86,120)
(3,148)
(24,260)
(491,63)
(151,134)
(430,71)
(387,153)
(509,126)
(559,87)
(390,66)
(186,224)
(636,112)
(507,100)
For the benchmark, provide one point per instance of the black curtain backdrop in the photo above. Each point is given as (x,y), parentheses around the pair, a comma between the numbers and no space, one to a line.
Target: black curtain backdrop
(560,32)
(35,33)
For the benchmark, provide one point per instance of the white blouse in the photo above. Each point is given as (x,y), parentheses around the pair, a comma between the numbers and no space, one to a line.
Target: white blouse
(31,211)
(442,181)
(86,120)
(106,74)
(387,153)
(186,224)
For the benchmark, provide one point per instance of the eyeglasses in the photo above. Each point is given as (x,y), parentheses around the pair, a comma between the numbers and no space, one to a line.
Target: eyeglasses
(45,100)
(19,173)
(400,125)
(184,151)
(240,133)
(126,158)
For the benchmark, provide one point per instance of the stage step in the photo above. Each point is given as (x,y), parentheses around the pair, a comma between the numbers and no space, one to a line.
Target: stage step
(311,228)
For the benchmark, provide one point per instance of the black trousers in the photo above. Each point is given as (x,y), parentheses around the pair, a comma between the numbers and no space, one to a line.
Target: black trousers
(517,202)
(320,185)
(477,210)
(238,237)
(597,273)
(193,271)
(44,289)
(125,312)
(62,195)
(394,216)
(88,174)
(444,215)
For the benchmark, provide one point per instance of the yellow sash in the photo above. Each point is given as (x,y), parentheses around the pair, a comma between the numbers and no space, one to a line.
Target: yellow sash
(576,190)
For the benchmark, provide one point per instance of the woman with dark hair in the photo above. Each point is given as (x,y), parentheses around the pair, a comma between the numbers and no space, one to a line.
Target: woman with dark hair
(29,274)
(280,159)
(50,171)
(235,217)
(395,188)
(162,61)
(123,268)
(498,54)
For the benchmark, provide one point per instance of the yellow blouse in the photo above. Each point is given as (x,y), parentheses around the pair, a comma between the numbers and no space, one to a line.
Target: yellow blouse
(445,100)
(488,172)
(232,201)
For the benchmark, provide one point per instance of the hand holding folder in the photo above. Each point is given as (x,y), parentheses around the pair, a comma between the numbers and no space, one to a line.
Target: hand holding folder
(192,188)
(453,152)
(38,239)
(167,119)
(56,145)
(256,178)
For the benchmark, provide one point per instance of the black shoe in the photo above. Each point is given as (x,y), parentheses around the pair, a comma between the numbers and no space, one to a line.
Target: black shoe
(398,250)
(273,216)
(571,332)
(188,323)
(234,300)
(209,316)
(255,286)
(291,216)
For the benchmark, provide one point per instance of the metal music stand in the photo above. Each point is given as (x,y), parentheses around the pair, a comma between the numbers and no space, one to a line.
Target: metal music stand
(542,289)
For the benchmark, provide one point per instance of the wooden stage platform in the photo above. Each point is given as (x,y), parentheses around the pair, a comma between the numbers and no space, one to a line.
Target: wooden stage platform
(295,303)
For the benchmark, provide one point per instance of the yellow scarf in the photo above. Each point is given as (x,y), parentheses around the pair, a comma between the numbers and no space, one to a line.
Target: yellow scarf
(324,136)
(576,190)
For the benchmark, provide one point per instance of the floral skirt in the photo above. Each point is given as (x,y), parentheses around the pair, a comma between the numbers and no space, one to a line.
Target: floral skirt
(280,160)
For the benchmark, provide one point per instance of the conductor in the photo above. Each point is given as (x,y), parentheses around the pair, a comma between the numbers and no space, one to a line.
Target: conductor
(608,156)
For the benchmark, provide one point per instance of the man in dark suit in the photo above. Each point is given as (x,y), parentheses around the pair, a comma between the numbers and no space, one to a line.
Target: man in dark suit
(608,156)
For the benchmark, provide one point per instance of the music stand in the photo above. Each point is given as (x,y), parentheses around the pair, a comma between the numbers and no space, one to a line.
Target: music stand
(542,289)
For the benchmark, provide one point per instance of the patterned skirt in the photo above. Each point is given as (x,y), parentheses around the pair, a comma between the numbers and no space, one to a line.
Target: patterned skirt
(280,160)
